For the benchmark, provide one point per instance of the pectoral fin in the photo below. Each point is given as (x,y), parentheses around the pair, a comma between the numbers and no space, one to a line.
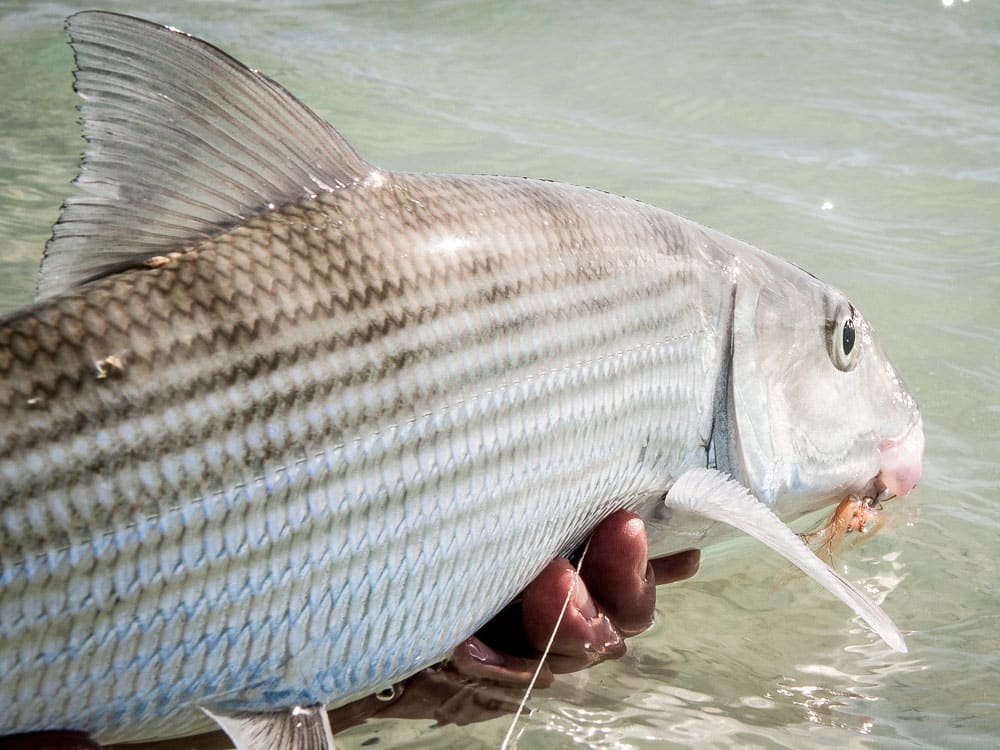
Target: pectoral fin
(297,729)
(714,495)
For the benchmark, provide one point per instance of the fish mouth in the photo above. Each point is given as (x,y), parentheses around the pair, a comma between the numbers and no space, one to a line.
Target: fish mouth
(900,465)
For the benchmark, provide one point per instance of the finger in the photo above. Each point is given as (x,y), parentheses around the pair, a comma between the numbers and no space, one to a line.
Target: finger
(452,698)
(474,658)
(439,692)
(676,567)
(49,741)
(617,573)
(585,635)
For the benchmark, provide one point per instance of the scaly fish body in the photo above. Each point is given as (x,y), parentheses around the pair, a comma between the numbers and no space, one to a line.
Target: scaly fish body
(298,458)
(337,409)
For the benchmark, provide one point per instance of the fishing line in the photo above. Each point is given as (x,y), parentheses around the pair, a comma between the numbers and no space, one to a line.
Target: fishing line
(548,648)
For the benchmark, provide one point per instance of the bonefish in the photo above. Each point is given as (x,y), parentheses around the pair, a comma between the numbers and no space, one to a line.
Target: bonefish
(283,427)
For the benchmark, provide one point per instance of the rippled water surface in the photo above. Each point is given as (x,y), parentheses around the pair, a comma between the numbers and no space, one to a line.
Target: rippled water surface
(861,140)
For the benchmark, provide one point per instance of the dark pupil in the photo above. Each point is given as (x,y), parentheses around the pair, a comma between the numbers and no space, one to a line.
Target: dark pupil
(848,336)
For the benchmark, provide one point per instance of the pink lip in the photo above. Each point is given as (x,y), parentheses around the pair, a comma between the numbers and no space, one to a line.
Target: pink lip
(902,461)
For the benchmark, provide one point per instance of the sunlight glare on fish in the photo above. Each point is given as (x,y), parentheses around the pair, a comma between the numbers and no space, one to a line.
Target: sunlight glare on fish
(448,245)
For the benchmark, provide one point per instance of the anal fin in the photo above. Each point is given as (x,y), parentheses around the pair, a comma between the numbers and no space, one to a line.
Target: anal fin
(299,728)
(714,495)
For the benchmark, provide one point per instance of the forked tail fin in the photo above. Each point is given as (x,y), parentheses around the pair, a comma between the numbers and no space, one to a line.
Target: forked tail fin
(183,143)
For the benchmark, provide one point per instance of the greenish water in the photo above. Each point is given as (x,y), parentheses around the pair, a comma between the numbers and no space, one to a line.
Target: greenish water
(860,140)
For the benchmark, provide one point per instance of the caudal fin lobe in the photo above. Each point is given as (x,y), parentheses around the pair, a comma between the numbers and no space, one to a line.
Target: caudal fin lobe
(183,142)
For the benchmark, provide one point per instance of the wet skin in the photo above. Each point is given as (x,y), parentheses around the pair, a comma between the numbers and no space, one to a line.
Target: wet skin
(613,598)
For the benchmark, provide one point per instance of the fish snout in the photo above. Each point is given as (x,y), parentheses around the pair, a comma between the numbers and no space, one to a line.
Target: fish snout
(901,461)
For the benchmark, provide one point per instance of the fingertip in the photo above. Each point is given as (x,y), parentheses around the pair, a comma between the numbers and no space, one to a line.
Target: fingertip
(618,574)
(543,599)
(676,567)
(473,658)
(619,541)
(582,630)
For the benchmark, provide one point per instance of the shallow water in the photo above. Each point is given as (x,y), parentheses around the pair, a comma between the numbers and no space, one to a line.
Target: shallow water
(860,140)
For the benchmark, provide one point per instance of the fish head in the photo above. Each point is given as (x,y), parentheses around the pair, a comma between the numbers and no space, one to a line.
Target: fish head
(817,411)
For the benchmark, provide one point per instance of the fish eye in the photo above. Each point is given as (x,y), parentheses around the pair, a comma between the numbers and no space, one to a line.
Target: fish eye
(842,339)
(847,337)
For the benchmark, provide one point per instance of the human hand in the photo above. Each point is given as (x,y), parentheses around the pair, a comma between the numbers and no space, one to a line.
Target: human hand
(613,598)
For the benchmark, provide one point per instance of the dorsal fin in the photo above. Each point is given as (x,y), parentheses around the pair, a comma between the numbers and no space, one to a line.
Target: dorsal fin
(183,142)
